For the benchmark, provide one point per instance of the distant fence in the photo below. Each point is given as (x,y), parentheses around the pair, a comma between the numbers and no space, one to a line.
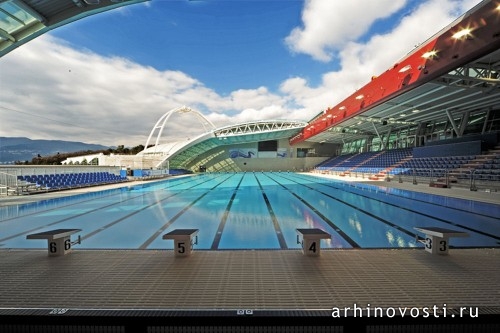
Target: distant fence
(24,170)
(473,179)
(9,174)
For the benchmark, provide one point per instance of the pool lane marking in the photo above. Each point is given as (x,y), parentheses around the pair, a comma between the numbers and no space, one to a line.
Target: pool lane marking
(417,212)
(63,206)
(323,217)
(67,218)
(116,191)
(222,224)
(277,228)
(420,200)
(176,216)
(93,233)
(395,226)
(71,217)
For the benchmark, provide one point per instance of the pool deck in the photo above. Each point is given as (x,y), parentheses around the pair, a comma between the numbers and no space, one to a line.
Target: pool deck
(278,279)
(115,280)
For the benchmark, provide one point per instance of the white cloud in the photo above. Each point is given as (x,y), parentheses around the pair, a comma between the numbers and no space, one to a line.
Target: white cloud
(108,100)
(50,90)
(329,25)
(58,88)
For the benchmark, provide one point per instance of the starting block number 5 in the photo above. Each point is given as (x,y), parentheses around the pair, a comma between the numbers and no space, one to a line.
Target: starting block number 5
(181,247)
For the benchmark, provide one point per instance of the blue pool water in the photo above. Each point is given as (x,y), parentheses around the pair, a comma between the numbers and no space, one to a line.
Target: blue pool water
(250,211)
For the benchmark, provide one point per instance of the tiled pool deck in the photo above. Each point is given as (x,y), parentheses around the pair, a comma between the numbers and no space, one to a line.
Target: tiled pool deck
(266,280)
(279,279)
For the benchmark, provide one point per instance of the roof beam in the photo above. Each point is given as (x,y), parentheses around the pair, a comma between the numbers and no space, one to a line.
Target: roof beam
(5,35)
(39,17)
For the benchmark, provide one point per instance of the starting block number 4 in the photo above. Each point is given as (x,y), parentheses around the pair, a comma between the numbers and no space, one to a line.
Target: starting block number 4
(310,240)
(310,247)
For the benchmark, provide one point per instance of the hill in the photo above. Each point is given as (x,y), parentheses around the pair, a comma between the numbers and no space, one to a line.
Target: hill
(25,149)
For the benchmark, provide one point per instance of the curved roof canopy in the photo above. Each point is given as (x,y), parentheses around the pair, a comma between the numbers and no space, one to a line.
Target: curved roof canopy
(181,153)
(452,78)
(24,20)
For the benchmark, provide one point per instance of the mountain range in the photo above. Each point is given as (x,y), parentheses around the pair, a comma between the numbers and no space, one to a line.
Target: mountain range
(25,149)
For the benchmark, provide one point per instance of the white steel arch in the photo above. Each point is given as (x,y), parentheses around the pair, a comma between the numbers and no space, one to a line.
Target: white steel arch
(260,126)
(160,124)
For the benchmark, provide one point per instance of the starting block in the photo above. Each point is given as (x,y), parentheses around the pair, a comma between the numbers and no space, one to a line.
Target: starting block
(183,241)
(311,240)
(436,239)
(59,242)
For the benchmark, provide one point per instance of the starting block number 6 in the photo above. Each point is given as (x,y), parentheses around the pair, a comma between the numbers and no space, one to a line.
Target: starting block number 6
(53,246)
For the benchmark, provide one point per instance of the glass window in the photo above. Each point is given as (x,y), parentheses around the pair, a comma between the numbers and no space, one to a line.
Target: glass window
(13,18)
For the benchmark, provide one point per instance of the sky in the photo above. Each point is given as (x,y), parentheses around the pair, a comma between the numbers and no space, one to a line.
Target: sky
(108,78)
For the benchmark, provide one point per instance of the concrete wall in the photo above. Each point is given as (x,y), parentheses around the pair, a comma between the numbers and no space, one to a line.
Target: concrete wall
(21,170)
(278,164)
(219,159)
(124,161)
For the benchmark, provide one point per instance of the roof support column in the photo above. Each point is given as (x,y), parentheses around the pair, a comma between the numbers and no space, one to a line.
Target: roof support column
(463,124)
(486,120)
(457,132)
(388,137)
(378,134)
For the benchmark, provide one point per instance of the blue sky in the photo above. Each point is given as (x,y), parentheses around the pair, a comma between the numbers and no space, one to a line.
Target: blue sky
(227,45)
(108,78)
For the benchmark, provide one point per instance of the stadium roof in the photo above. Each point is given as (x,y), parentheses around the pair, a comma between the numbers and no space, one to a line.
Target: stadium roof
(181,153)
(23,20)
(452,77)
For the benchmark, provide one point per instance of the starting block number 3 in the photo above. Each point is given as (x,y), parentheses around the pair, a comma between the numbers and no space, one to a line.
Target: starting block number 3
(442,245)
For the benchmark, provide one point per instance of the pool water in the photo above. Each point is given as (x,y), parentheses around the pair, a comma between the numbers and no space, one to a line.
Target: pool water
(250,211)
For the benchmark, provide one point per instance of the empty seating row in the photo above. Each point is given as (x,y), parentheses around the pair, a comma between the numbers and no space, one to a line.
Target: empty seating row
(71,180)
(401,162)
(371,162)
(176,172)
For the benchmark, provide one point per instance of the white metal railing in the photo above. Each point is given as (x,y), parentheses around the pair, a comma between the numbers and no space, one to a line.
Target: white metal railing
(7,179)
(8,183)
(34,170)
(472,178)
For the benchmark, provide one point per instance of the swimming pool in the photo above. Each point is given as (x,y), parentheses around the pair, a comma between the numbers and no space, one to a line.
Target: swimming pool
(250,211)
